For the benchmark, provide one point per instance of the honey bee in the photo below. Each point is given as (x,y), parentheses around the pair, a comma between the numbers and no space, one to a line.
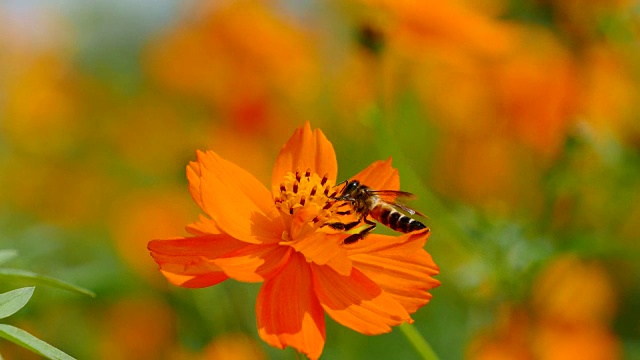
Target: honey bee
(379,205)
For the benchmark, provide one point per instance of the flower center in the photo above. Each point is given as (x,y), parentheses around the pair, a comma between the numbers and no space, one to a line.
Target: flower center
(309,192)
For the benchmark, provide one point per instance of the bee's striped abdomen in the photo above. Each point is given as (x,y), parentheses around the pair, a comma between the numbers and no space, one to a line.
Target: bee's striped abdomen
(397,221)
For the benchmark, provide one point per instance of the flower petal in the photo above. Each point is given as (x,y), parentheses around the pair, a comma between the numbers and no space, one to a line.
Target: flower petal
(399,265)
(305,150)
(187,261)
(324,249)
(390,244)
(235,200)
(195,281)
(356,302)
(288,311)
(254,263)
(379,175)
(216,257)
(193,176)
(203,226)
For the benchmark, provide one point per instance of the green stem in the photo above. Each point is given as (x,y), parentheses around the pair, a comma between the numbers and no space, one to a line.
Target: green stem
(419,343)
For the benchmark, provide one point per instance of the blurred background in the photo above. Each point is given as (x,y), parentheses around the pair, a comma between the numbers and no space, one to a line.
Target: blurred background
(514,121)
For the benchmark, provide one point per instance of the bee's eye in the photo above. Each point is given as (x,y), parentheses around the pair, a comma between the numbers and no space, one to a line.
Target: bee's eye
(351,186)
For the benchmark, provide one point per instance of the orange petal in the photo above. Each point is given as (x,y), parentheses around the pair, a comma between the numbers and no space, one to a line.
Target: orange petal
(187,261)
(254,263)
(390,244)
(300,221)
(324,249)
(288,311)
(305,150)
(399,265)
(193,176)
(236,201)
(356,302)
(195,281)
(379,175)
(203,226)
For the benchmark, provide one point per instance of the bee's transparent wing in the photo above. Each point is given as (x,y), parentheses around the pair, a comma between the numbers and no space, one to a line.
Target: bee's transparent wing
(391,196)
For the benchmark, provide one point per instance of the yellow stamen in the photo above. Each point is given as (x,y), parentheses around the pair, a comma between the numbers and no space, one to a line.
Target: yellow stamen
(306,190)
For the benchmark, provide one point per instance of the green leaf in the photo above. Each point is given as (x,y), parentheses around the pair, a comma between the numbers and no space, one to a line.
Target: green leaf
(7,254)
(14,300)
(17,274)
(28,341)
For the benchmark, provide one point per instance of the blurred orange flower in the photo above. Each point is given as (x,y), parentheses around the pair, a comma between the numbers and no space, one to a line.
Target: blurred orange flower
(234,346)
(569,279)
(507,340)
(536,90)
(140,215)
(222,47)
(572,306)
(608,94)
(137,328)
(505,121)
(445,24)
(557,341)
(575,302)
(253,235)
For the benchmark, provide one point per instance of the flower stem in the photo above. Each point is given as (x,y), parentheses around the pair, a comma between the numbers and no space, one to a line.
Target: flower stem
(419,343)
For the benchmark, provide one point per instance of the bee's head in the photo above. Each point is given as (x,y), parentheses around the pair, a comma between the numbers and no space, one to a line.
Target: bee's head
(350,187)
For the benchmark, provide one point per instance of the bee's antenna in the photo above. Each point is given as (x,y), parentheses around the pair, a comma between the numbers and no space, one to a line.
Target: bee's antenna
(335,186)
(340,183)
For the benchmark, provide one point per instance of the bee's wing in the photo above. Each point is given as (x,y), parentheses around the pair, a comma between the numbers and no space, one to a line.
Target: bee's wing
(391,196)
(406,209)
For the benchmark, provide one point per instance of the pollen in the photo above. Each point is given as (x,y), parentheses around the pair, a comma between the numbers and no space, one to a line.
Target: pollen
(304,189)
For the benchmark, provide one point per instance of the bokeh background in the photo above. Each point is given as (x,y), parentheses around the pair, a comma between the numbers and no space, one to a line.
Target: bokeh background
(514,121)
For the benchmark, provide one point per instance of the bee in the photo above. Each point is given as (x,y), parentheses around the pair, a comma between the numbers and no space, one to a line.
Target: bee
(380,205)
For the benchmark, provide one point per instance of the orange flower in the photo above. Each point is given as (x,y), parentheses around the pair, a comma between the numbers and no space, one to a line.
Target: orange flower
(220,47)
(253,235)
(571,309)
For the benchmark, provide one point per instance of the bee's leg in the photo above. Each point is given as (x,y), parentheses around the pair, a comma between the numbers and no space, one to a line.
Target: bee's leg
(347,198)
(345,227)
(342,226)
(359,236)
(344,212)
